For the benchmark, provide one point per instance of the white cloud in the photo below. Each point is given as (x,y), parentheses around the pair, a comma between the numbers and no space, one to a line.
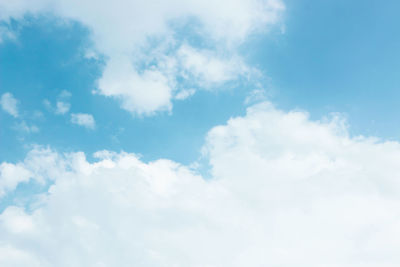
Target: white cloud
(9,104)
(11,175)
(40,164)
(183,94)
(62,107)
(255,96)
(83,119)
(141,94)
(6,34)
(207,68)
(24,127)
(123,31)
(284,190)
(64,94)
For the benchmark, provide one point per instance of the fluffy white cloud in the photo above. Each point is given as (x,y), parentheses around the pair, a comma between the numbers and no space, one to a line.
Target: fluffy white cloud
(40,164)
(142,94)
(125,32)
(11,175)
(284,191)
(83,119)
(9,104)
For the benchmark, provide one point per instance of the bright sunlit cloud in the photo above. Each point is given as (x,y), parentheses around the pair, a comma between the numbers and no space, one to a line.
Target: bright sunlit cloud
(198,133)
(123,30)
(284,190)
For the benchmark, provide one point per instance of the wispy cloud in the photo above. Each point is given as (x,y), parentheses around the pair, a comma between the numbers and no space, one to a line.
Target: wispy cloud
(26,128)
(83,119)
(9,104)
(62,107)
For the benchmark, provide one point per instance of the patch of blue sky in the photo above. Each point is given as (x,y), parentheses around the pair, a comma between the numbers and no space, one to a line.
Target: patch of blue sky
(48,58)
(327,60)
(337,56)
(25,195)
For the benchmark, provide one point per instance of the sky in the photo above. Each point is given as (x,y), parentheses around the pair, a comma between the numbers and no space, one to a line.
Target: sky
(195,133)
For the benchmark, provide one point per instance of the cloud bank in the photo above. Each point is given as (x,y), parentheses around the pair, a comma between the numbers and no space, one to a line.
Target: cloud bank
(284,191)
(146,47)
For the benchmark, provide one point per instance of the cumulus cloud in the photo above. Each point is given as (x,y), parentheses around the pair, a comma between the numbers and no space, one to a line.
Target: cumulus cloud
(41,164)
(284,191)
(11,175)
(142,94)
(83,119)
(135,36)
(9,104)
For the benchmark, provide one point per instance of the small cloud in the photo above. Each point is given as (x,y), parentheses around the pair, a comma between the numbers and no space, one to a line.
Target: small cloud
(9,104)
(65,94)
(24,127)
(6,34)
(47,104)
(62,107)
(255,96)
(91,54)
(37,114)
(184,94)
(209,68)
(83,119)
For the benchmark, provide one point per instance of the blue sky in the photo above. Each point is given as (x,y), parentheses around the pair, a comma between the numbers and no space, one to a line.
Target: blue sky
(332,57)
(47,60)
(192,132)
(338,56)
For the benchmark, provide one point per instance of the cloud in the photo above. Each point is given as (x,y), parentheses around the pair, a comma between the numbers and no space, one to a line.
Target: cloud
(207,68)
(183,94)
(62,107)
(142,43)
(151,90)
(6,34)
(24,127)
(284,190)
(255,96)
(64,94)
(83,119)
(142,94)
(11,175)
(9,104)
